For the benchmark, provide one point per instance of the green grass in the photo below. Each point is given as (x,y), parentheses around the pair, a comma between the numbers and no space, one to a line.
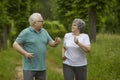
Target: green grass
(54,54)
(53,75)
(54,63)
(8,62)
(103,60)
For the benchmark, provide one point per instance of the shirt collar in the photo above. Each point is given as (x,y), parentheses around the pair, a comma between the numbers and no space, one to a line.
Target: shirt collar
(32,29)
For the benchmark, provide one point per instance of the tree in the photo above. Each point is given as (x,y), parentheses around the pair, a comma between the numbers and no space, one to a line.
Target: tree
(43,7)
(18,13)
(113,21)
(96,9)
(92,23)
(70,9)
(88,10)
(4,24)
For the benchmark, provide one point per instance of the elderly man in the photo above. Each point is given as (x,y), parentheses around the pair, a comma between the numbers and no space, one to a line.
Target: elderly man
(31,44)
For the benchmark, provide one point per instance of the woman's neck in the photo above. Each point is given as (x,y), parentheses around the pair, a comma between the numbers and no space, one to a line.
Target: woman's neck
(76,33)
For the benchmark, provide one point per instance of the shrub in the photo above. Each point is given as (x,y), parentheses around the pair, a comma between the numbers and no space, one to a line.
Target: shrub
(54,28)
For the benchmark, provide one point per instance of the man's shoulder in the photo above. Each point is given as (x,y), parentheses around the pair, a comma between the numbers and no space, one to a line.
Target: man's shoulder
(25,31)
(44,30)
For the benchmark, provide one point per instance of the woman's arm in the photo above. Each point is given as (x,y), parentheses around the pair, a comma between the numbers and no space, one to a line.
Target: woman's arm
(85,48)
(63,53)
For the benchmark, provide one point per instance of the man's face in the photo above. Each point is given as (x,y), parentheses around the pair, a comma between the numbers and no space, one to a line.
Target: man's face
(39,23)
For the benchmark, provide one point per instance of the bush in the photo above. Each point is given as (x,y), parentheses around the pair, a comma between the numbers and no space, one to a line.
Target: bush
(54,28)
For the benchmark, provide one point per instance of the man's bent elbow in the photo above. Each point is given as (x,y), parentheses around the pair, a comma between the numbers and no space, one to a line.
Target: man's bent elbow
(14,44)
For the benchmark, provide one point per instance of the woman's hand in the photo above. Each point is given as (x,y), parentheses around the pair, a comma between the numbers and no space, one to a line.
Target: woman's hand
(64,58)
(75,40)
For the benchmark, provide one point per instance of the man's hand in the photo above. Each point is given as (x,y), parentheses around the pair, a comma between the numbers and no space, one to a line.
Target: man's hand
(54,43)
(29,55)
(57,41)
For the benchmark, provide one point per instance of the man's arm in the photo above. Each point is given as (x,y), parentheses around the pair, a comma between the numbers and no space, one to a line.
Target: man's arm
(54,43)
(18,47)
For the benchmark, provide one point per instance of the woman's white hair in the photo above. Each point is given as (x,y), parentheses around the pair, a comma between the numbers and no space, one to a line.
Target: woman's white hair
(33,18)
(80,24)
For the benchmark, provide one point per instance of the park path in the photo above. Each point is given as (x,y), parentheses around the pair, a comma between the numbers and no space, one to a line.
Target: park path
(19,74)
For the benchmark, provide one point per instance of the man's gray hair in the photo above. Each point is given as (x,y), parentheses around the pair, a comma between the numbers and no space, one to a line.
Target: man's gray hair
(33,18)
(80,24)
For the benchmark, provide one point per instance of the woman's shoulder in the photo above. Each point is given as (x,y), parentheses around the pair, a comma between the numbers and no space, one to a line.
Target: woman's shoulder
(68,33)
(84,35)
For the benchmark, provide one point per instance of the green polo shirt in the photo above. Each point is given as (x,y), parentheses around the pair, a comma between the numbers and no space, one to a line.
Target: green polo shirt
(34,42)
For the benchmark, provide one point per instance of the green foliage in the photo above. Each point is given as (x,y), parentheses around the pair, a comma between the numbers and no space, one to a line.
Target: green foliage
(54,28)
(107,13)
(113,21)
(18,13)
(4,24)
(4,18)
(14,14)
(70,9)
(54,9)
(43,7)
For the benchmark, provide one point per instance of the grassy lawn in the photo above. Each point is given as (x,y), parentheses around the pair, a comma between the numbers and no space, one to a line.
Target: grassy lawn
(8,63)
(103,60)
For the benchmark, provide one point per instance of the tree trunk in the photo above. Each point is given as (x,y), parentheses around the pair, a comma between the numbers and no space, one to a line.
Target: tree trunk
(5,36)
(1,39)
(1,42)
(92,24)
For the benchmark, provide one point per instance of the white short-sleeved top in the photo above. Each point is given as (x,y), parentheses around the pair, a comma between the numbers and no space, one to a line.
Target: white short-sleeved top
(75,55)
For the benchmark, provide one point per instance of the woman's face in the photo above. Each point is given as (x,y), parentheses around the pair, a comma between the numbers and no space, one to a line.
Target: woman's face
(74,28)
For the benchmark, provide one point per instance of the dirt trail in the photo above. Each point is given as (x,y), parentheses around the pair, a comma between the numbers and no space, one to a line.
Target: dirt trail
(19,75)
(54,67)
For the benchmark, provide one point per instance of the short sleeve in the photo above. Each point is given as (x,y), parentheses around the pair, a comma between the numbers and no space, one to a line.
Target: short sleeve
(48,36)
(86,40)
(21,37)
(64,40)
(66,37)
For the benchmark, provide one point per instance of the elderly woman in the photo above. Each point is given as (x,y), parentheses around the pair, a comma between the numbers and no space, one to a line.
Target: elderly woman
(76,45)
